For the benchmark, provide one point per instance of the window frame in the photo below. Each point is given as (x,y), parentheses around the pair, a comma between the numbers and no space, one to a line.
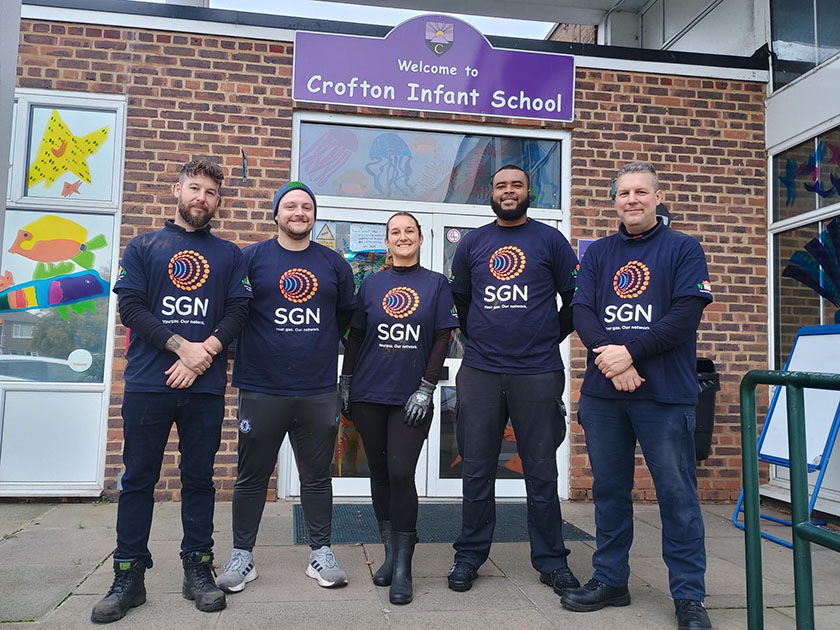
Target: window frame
(424,125)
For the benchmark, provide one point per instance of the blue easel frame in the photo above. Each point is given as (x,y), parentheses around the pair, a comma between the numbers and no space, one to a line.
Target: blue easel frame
(832,329)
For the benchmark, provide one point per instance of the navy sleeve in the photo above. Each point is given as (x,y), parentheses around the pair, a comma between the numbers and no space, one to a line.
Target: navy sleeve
(347,303)
(677,326)
(135,315)
(462,306)
(461,281)
(588,328)
(564,265)
(234,318)
(567,325)
(438,355)
(351,351)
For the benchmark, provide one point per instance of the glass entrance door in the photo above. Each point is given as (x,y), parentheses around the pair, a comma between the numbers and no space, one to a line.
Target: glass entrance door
(358,235)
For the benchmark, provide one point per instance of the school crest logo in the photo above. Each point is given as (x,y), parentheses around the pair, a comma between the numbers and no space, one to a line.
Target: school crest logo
(439,36)
(631,280)
(400,302)
(298,285)
(507,262)
(188,270)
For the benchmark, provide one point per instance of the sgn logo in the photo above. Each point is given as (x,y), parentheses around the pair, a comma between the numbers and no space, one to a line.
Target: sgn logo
(298,285)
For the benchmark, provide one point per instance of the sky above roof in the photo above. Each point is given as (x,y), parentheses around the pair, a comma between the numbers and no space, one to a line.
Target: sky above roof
(377,15)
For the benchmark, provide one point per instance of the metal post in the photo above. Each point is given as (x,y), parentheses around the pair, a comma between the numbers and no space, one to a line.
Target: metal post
(802,578)
(752,523)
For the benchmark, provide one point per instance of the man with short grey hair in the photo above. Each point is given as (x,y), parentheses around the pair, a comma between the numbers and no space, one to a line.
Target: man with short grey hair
(639,299)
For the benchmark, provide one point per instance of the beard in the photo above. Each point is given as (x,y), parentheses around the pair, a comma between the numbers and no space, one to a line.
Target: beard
(197,221)
(296,230)
(511,215)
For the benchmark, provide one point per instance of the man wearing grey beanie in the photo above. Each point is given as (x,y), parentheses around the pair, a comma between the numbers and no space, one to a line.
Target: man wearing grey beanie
(286,370)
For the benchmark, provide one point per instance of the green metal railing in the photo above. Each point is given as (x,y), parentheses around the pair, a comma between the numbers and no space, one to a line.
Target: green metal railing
(804,533)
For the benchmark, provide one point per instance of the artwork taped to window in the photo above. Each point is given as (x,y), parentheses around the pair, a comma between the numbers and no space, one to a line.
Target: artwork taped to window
(54,286)
(70,154)
(436,167)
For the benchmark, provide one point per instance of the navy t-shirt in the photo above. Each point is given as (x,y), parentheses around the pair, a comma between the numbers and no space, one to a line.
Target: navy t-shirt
(186,276)
(399,312)
(630,284)
(289,345)
(513,276)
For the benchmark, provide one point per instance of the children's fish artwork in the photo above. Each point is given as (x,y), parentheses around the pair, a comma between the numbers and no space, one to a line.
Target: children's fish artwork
(53,239)
(84,286)
(60,151)
(59,247)
(69,189)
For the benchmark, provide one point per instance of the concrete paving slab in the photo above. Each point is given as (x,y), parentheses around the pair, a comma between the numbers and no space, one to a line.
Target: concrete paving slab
(35,546)
(282,577)
(16,515)
(514,561)
(736,619)
(161,612)
(35,590)
(487,594)
(270,616)
(79,515)
(649,610)
(825,617)
(405,619)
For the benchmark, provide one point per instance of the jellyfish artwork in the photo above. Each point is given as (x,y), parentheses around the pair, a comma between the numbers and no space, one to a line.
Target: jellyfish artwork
(327,154)
(390,165)
(535,160)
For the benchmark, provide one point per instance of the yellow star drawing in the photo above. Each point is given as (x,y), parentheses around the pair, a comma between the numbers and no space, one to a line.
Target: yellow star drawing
(61,151)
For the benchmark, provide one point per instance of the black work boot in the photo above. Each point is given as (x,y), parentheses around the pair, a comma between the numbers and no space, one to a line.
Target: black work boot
(200,582)
(691,615)
(382,577)
(594,595)
(401,589)
(127,591)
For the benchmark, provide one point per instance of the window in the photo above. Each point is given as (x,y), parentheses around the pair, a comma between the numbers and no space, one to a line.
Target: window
(805,239)
(22,331)
(59,235)
(424,166)
(805,34)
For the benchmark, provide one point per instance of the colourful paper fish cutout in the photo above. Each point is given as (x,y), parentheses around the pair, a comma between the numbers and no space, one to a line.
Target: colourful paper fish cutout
(69,189)
(53,292)
(60,151)
(53,239)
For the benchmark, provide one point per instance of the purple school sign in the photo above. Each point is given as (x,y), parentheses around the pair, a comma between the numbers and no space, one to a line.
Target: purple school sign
(433,63)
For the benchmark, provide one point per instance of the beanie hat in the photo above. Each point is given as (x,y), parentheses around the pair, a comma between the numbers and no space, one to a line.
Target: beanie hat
(285,188)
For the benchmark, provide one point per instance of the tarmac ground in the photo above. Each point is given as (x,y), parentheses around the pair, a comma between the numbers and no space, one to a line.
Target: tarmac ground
(56,564)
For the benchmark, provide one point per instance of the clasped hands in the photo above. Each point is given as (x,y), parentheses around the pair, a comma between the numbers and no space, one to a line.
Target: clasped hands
(616,364)
(194,358)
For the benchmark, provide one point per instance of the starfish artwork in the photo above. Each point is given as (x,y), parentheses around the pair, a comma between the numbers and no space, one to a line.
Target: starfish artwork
(60,151)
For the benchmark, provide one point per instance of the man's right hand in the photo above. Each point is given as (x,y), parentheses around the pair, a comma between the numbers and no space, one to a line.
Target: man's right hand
(192,354)
(628,381)
(180,376)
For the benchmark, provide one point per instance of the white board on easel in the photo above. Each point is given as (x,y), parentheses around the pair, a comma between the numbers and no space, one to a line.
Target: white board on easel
(816,349)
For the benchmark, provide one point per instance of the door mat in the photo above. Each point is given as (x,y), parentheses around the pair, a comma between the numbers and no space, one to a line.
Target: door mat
(436,523)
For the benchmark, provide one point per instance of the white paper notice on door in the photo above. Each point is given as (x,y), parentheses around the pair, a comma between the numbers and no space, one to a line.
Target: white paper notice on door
(365,237)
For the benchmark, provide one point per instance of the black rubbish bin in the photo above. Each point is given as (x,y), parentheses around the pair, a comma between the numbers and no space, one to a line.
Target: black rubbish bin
(708,382)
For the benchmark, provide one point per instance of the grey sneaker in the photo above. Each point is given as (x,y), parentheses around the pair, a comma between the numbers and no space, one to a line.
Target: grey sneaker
(324,567)
(238,571)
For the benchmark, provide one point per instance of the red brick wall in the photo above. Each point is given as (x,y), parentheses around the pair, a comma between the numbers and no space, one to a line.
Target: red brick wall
(198,95)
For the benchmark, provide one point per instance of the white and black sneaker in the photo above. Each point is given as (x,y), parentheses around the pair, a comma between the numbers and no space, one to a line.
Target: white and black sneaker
(238,571)
(324,567)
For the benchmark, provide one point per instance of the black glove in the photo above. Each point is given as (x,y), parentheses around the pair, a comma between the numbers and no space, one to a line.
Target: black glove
(344,393)
(419,403)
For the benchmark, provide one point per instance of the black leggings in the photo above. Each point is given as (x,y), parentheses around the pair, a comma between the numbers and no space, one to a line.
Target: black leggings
(392,450)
